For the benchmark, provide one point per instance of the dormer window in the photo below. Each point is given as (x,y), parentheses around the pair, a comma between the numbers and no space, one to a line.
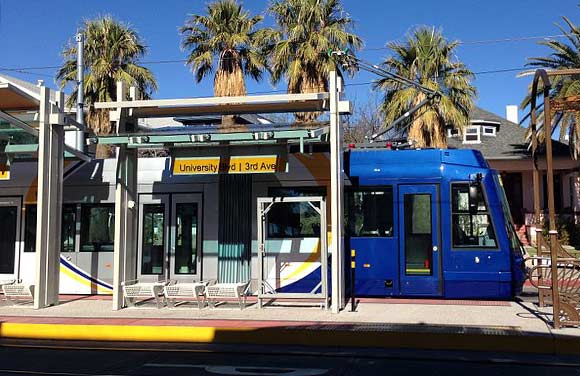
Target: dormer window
(452,132)
(489,130)
(472,135)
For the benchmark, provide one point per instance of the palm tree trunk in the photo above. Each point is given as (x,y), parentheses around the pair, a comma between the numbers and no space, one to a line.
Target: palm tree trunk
(417,132)
(308,84)
(229,82)
(98,121)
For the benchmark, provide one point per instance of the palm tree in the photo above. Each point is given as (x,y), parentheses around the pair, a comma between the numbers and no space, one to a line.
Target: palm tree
(227,34)
(307,30)
(429,59)
(112,51)
(563,56)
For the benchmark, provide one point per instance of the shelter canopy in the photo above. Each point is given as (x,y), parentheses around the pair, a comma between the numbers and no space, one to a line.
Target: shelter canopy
(12,98)
(278,103)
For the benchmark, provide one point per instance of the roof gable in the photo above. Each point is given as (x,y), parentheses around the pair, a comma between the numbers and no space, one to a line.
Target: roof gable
(508,143)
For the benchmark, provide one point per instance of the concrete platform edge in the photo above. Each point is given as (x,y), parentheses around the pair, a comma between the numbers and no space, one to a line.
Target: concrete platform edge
(521,343)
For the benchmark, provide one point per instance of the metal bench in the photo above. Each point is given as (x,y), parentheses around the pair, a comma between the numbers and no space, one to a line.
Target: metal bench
(18,291)
(134,289)
(215,293)
(195,290)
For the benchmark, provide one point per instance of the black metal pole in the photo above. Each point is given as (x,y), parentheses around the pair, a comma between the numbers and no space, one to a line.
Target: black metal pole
(352,276)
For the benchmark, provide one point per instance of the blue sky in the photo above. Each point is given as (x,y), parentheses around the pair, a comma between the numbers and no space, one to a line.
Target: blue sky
(33,33)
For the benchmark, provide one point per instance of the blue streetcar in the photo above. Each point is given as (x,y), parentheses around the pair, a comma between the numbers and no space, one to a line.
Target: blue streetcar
(430,223)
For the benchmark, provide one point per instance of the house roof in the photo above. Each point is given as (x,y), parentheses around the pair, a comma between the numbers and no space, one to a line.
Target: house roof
(508,143)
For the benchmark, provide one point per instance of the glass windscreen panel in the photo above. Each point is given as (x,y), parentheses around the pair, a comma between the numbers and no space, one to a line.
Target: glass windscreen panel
(97,228)
(186,227)
(294,219)
(370,213)
(515,243)
(153,239)
(418,234)
(471,229)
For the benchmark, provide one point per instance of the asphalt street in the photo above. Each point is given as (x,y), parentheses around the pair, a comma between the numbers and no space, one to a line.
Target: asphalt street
(88,359)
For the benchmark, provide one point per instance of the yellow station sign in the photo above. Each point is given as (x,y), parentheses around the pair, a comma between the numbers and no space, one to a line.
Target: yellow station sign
(4,172)
(251,164)
(196,166)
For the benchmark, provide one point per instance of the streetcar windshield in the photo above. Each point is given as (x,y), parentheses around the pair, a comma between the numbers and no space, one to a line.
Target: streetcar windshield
(515,243)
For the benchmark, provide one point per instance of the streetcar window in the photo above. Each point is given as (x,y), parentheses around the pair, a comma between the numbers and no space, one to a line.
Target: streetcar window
(471,229)
(370,213)
(294,219)
(68,234)
(29,228)
(68,228)
(97,227)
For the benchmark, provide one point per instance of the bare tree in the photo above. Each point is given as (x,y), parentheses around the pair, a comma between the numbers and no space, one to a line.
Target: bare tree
(364,122)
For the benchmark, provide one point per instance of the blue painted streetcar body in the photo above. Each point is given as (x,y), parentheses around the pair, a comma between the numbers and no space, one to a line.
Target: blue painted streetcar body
(415,235)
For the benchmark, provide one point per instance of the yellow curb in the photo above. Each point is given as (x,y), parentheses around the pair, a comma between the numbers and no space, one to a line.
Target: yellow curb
(111,332)
(543,344)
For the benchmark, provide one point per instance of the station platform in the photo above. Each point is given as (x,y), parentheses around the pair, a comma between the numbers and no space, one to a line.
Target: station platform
(377,323)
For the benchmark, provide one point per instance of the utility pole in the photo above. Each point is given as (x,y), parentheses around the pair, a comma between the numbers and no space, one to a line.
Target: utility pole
(80,118)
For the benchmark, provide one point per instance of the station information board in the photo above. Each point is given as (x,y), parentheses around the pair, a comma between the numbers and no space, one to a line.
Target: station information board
(247,164)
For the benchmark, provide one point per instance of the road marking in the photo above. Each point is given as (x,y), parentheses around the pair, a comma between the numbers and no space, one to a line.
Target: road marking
(48,373)
(248,371)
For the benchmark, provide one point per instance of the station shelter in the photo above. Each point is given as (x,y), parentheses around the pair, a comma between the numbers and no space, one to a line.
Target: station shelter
(245,202)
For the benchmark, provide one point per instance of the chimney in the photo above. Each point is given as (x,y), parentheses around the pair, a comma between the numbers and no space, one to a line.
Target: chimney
(511,113)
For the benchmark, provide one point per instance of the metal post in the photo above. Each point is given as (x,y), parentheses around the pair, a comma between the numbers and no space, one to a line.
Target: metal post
(324,251)
(125,247)
(551,209)
(538,225)
(49,204)
(352,280)
(553,243)
(336,196)
(80,118)
(261,245)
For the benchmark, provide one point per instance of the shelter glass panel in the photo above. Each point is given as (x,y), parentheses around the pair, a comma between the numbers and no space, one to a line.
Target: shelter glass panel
(294,219)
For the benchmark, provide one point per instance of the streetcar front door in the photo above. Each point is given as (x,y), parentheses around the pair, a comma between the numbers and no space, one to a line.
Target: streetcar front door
(419,245)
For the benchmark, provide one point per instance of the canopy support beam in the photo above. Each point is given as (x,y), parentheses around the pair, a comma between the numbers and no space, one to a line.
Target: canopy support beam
(336,195)
(125,248)
(49,204)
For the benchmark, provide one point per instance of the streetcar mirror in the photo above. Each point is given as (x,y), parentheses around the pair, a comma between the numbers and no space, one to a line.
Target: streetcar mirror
(473,197)
(474,187)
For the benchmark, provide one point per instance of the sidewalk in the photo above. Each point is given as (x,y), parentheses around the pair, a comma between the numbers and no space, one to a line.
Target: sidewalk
(382,323)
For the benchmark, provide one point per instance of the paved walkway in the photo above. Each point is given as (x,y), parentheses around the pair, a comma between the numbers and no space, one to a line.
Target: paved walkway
(401,323)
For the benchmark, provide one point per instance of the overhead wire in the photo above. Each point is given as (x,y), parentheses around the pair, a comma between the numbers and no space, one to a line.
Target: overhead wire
(30,70)
(173,61)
